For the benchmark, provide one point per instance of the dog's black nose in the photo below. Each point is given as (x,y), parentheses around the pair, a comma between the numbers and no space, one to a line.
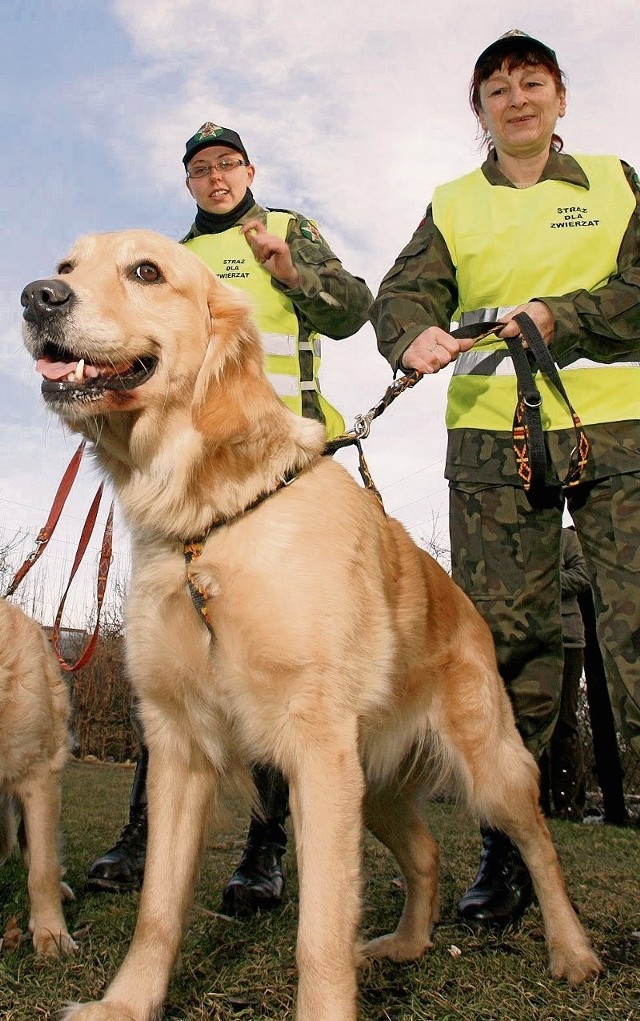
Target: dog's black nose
(44,298)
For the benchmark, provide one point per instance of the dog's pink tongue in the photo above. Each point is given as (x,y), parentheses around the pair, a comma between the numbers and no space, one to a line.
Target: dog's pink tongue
(54,370)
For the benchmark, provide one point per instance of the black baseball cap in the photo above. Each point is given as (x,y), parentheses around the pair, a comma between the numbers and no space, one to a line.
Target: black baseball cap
(515,41)
(213,134)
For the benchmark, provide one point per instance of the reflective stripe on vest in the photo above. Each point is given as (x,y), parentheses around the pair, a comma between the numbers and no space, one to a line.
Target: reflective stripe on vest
(508,245)
(499,363)
(282,345)
(228,255)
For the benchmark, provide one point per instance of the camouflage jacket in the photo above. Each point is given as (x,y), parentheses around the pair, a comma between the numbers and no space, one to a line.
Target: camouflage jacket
(328,300)
(420,290)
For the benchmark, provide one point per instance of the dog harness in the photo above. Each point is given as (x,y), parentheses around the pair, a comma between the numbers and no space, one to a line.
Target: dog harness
(193,547)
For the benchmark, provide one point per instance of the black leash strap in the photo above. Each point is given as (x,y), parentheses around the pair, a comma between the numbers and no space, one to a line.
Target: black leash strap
(528,434)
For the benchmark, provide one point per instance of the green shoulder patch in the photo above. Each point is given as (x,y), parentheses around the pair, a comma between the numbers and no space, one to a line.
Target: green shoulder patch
(309,230)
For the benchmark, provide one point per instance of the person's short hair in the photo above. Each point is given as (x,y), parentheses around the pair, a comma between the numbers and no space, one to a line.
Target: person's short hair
(514,49)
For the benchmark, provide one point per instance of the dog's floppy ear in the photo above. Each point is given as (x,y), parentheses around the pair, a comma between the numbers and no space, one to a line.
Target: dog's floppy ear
(231,390)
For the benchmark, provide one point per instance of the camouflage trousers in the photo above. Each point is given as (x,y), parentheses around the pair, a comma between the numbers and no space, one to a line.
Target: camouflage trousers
(506,556)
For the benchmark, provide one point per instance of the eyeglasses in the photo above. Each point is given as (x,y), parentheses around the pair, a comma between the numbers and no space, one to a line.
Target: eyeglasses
(222,167)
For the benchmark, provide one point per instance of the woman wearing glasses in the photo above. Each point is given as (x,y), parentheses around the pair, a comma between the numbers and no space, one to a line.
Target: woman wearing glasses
(299,290)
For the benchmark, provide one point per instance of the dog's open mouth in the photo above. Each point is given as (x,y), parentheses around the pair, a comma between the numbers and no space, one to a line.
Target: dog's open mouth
(66,376)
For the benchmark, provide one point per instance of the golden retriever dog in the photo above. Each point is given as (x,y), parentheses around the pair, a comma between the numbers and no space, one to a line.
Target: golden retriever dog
(336,648)
(34,745)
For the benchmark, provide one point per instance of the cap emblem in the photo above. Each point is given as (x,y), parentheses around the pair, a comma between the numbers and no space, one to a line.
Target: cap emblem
(208,130)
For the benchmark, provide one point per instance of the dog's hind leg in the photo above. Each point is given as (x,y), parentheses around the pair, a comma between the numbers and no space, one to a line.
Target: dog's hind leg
(502,784)
(326,789)
(40,800)
(393,816)
(519,816)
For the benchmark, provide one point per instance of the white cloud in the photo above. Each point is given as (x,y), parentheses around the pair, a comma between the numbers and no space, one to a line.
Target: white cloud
(352,112)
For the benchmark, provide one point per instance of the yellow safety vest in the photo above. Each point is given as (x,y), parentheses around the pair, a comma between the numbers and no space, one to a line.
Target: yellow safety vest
(509,245)
(229,256)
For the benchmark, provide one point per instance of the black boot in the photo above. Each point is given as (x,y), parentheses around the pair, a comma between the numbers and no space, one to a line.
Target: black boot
(258,883)
(121,868)
(502,890)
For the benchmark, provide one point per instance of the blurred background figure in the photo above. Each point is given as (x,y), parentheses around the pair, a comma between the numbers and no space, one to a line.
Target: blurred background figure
(606,752)
(577,748)
(562,765)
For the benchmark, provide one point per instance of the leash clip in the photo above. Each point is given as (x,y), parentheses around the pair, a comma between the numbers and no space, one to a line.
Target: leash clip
(362,425)
(533,399)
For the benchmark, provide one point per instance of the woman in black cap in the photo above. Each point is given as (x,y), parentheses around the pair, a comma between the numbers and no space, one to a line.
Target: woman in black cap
(557,237)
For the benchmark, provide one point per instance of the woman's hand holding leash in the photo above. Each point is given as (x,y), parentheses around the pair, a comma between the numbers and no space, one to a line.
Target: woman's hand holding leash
(542,318)
(433,349)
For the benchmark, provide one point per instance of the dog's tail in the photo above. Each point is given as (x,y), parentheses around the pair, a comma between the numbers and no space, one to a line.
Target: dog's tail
(7,825)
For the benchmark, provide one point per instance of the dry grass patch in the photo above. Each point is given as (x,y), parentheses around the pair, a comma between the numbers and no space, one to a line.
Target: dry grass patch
(236,971)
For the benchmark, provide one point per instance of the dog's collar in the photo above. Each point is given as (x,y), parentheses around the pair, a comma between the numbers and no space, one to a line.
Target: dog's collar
(228,519)
(194,547)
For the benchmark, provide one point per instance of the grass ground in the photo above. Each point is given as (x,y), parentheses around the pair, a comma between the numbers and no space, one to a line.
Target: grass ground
(246,970)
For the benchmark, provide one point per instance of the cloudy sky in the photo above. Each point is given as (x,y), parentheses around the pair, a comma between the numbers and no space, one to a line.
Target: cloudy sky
(352,112)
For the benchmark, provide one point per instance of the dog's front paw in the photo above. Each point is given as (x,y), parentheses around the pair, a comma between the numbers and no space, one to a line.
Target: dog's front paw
(98,1011)
(52,943)
(575,964)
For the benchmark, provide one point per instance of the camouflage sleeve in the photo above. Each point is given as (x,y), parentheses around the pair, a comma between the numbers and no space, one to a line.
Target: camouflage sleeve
(604,324)
(420,290)
(328,300)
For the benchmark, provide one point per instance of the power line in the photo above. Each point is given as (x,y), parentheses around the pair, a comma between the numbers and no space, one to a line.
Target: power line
(38,510)
(421,499)
(411,475)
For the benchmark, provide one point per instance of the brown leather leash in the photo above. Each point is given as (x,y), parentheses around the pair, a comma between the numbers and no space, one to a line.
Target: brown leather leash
(48,529)
(42,540)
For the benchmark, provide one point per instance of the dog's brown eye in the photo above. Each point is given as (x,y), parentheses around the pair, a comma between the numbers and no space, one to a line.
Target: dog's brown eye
(147,272)
(65,267)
